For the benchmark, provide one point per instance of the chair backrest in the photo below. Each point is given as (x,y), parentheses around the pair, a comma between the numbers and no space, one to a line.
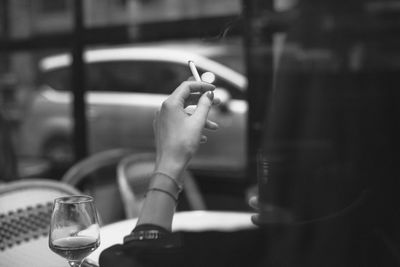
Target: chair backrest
(25,211)
(76,174)
(133,175)
(96,176)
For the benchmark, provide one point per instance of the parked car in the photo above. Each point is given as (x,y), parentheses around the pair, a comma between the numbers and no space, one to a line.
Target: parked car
(125,86)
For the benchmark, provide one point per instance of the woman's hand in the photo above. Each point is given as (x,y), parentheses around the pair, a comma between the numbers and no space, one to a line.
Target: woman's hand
(177,136)
(179,133)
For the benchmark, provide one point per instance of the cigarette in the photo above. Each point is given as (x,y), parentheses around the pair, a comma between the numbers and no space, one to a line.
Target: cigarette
(194,71)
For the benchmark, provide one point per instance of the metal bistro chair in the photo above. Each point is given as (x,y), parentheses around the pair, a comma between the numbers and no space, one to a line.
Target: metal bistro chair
(134,173)
(96,176)
(25,211)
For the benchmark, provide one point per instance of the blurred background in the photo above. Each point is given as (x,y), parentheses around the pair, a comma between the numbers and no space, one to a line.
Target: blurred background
(81,77)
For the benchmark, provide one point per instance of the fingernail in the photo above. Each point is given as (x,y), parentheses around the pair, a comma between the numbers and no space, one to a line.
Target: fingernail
(210,95)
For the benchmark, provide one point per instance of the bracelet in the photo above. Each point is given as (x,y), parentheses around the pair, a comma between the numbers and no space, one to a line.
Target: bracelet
(178,185)
(175,198)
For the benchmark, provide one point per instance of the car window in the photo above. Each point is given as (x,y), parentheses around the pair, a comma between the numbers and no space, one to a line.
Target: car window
(235,92)
(59,79)
(133,76)
(136,76)
(123,76)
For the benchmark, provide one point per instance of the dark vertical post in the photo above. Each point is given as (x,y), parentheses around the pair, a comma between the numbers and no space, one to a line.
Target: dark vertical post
(258,44)
(6,85)
(8,160)
(78,85)
(5,34)
(4,16)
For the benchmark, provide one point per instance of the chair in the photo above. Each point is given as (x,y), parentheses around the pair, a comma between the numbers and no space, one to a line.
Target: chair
(76,174)
(25,211)
(133,175)
(96,176)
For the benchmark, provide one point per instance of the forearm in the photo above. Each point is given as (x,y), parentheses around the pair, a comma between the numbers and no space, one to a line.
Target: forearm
(160,201)
(158,209)
(177,137)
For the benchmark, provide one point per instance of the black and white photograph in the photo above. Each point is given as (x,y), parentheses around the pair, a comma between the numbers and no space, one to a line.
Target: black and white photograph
(199,133)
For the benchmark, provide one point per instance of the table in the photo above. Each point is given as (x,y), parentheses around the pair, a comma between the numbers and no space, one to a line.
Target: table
(183,221)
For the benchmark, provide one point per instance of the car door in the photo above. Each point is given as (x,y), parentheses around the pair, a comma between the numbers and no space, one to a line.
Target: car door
(129,92)
(120,108)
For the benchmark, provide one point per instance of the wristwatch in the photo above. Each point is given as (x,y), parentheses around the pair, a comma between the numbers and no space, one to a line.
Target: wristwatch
(144,235)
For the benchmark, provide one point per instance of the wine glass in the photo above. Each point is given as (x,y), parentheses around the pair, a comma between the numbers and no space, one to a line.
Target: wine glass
(74,228)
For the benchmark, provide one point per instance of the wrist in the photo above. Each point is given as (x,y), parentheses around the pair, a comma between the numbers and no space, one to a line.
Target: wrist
(158,209)
(165,183)
(170,165)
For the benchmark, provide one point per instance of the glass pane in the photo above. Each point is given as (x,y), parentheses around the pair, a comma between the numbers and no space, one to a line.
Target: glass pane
(328,162)
(328,176)
(36,17)
(136,76)
(32,115)
(109,12)
(118,116)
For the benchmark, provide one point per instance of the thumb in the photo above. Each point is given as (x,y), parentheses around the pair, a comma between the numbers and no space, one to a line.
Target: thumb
(203,106)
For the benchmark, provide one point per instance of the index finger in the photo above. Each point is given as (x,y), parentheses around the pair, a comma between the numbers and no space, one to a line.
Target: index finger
(188,87)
